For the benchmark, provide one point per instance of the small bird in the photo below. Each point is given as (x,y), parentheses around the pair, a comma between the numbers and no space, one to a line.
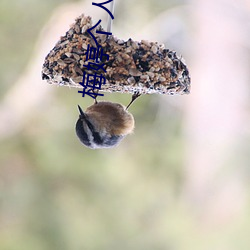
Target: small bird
(104,124)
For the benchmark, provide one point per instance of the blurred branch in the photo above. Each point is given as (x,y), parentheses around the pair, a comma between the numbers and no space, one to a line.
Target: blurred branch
(216,109)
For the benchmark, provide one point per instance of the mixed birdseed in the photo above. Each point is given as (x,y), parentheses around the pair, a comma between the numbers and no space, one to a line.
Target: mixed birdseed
(144,67)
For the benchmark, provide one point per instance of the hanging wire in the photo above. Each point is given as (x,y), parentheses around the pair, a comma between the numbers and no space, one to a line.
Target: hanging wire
(110,20)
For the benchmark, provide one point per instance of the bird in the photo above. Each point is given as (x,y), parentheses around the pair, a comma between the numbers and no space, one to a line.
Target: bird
(104,124)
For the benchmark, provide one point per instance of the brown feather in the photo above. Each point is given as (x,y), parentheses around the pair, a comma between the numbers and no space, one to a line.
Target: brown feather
(112,117)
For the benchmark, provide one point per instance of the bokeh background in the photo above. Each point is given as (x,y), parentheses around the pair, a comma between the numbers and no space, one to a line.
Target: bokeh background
(180,182)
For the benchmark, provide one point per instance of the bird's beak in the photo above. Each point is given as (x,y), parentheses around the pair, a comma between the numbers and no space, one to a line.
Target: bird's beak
(82,115)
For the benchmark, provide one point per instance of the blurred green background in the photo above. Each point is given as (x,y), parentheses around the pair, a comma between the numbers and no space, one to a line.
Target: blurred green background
(181,181)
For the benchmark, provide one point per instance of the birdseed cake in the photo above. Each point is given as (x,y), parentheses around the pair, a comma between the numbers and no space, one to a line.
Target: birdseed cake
(144,67)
